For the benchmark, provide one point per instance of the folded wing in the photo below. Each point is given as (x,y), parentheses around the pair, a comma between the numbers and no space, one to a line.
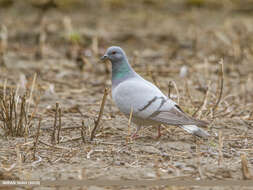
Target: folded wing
(149,103)
(175,116)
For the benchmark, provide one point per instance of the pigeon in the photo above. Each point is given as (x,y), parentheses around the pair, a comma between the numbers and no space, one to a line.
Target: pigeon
(134,95)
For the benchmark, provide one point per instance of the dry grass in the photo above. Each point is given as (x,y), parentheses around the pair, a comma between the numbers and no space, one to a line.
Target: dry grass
(15,115)
(180,50)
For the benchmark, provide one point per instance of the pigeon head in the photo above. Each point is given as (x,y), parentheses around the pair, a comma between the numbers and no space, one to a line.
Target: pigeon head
(114,54)
(121,69)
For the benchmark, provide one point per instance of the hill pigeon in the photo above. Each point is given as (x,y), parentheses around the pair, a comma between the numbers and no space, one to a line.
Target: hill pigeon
(148,104)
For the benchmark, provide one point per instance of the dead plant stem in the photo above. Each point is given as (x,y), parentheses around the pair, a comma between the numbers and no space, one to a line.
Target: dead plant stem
(106,91)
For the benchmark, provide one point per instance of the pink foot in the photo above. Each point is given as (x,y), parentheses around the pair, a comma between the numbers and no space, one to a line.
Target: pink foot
(159,134)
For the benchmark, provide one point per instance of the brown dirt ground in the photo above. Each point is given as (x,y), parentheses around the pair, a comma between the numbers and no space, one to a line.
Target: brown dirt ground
(159,42)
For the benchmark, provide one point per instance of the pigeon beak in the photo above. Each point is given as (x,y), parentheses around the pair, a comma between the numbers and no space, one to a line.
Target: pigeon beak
(103,58)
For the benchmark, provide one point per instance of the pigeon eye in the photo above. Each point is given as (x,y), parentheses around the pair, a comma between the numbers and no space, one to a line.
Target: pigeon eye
(114,52)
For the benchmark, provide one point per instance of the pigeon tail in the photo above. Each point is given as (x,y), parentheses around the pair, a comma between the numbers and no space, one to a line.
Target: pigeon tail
(193,129)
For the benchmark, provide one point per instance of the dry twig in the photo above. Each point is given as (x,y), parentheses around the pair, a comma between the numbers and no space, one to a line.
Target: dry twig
(175,86)
(169,88)
(31,92)
(106,91)
(3,44)
(245,169)
(55,123)
(83,129)
(36,140)
(221,86)
(4,92)
(59,126)
(220,148)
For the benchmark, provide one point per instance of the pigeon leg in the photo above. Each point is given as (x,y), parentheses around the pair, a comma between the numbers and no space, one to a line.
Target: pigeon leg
(158,132)
(134,136)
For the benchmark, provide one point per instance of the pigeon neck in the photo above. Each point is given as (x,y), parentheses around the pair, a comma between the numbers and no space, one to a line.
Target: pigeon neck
(121,71)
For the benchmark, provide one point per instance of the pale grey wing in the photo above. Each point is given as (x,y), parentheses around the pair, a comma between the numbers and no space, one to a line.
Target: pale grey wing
(175,116)
(141,96)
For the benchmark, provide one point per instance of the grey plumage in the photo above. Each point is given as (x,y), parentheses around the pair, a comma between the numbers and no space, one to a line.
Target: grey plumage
(150,106)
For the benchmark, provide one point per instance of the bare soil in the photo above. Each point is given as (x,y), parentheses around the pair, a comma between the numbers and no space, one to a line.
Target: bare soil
(160,41)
